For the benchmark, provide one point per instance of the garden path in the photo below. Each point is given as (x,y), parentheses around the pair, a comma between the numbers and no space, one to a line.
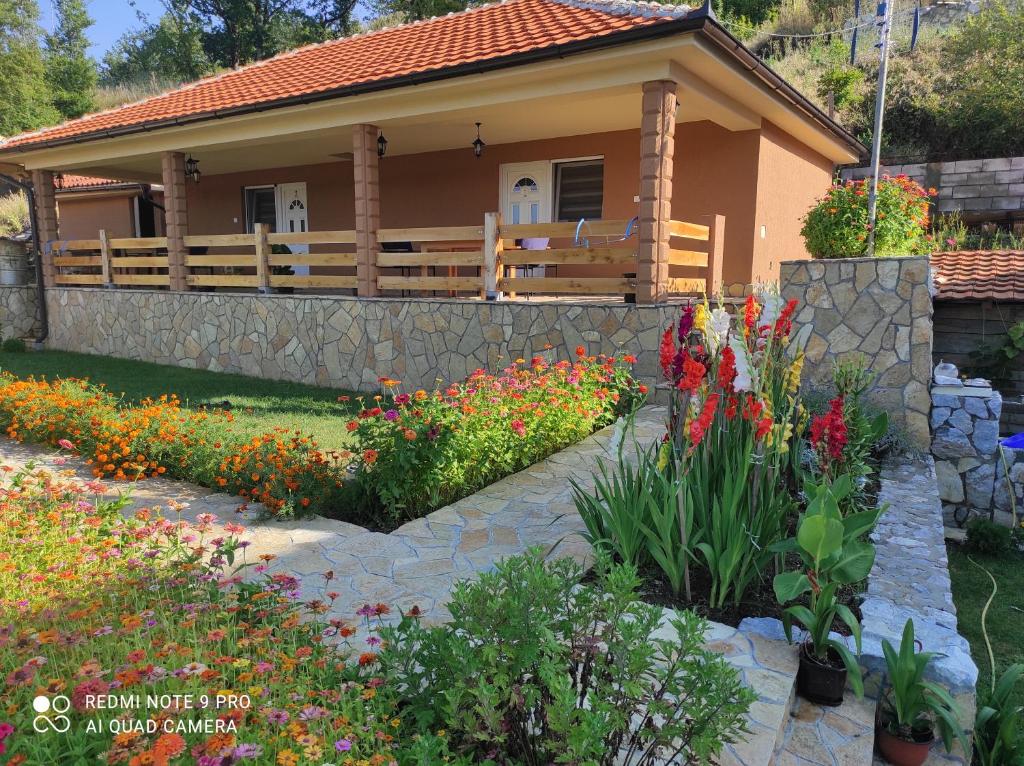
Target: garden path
(418,563)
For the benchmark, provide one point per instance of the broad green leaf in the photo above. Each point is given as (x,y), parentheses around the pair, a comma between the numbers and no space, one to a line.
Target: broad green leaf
(820,536)
(789,586)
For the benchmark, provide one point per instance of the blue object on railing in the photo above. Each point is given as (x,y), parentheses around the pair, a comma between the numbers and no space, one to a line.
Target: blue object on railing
(1014,442)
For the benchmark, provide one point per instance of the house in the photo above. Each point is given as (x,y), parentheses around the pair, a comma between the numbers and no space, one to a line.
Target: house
(541,110)
(979,296)
(86,204)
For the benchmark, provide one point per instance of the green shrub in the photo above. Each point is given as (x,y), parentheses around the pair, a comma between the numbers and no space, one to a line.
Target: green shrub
(988,537)
(13,346)
(837,227)
(539,668)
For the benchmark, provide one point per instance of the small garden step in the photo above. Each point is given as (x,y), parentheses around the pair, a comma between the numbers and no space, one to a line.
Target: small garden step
(823,736)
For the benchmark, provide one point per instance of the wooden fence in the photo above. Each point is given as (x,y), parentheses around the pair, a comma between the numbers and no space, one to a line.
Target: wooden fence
(488,260)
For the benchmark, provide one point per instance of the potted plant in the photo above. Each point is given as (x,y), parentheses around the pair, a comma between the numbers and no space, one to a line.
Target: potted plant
(282,269)
(833,555)
(911,707)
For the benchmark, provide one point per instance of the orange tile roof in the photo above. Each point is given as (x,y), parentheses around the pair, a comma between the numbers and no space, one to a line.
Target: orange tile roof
(477,35)
(979,275)
(68,181)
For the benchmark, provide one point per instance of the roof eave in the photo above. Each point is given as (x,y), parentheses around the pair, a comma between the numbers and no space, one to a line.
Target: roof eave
(700,21)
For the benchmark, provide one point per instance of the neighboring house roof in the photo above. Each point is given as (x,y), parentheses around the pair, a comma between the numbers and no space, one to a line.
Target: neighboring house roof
(69,182)
(476,40)
(979,275)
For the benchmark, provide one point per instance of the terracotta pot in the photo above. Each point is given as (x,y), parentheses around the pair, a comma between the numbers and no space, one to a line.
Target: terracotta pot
(901,752)
(821,682)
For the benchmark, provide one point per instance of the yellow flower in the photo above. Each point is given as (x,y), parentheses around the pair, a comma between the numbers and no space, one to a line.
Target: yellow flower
(700,318)
(795,370)
(662,457)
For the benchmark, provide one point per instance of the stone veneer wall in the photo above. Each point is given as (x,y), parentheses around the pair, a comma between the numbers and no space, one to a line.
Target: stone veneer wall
(878,308)
(17,311)
(342,341)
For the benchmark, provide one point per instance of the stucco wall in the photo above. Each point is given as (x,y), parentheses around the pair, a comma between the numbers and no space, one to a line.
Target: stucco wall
(716,171)
(83,217)
(17,311)
(342,341)
(876,308)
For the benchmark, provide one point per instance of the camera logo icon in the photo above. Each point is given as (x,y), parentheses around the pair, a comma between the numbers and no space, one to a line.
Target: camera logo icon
(51,714)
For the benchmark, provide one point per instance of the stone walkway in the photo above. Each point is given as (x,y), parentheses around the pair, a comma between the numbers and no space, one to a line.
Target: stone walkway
(416,564)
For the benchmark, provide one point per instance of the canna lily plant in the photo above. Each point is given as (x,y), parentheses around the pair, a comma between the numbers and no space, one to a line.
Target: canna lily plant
(833,555)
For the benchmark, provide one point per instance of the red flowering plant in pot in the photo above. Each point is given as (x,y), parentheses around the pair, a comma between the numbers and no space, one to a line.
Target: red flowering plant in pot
(733,415)
(912,707)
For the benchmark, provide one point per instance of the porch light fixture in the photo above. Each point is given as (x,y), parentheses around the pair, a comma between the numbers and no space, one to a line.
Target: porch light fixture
(478,145)
(382,145)
(192,169)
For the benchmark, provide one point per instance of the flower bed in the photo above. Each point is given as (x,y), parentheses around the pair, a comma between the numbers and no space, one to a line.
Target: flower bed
(95,604)
(420,450)
(283,470)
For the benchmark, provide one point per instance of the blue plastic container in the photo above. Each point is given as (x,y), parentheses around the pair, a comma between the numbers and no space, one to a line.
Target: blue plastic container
(1014,442)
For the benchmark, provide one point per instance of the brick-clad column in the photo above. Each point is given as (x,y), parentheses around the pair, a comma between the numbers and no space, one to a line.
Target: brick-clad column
(46,219)
(366,173)
(657,145)
(175,217)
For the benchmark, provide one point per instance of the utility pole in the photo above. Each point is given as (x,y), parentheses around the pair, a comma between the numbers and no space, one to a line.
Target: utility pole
(885,27)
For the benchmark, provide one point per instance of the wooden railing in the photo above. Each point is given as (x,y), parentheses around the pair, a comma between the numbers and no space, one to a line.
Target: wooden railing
(456,249)
(447,259)
(249,260)
(127,261)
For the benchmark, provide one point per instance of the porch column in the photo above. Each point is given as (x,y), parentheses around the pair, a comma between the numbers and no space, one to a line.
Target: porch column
(46,218)
(366,170)
(175,217)
(657,145)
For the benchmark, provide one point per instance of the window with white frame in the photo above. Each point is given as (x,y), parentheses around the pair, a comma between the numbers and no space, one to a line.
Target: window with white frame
(579,189)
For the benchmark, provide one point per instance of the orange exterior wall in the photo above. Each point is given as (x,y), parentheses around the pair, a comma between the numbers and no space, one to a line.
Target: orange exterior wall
(751,177)
(791,178)
(83,217)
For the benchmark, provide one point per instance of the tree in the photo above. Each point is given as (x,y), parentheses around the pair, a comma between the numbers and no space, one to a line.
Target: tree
(24,98)
(171,50)
(70,72)
(417,10)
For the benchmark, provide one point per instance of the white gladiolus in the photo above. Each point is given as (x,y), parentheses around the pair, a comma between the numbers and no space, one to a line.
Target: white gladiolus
(743,380)
(719,327)
(772,305)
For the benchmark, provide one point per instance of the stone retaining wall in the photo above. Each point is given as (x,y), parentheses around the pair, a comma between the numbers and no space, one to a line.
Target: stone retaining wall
(17,311)
(990,187)
(910,580)
(876,308)
(342,341)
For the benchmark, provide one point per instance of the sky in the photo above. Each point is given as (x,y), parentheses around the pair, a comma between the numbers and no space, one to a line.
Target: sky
(113,18)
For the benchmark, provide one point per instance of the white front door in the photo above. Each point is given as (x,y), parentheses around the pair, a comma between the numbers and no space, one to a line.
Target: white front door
(526,192)
(293,216)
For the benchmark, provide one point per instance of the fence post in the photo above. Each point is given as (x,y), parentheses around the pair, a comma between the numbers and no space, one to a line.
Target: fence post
(716,254)
(259,236)
(108,280)
(493,247)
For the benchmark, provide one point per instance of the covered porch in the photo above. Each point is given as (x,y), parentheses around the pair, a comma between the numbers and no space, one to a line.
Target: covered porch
(638,171)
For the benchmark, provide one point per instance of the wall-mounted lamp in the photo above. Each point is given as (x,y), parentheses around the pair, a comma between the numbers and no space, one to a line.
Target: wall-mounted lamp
(192,169)
(382,145)
(478,144)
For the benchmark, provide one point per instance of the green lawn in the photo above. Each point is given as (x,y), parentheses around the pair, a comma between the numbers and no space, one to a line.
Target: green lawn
(258,405)
(1005,620)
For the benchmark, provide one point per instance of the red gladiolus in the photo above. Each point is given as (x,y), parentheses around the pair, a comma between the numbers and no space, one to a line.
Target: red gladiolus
(700,424)
(727,369)
(693,374)
(784,324)
(667,353)
(829,433)
(750,312)
(730,407)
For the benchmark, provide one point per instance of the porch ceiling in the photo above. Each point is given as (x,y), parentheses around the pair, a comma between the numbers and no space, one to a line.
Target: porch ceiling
(591,93)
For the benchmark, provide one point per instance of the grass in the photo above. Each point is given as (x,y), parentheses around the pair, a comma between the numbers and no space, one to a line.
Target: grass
(258,405)
(1005,620)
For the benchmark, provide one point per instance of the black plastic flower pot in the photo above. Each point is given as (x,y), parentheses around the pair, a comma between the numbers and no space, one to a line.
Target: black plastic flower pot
(821,682)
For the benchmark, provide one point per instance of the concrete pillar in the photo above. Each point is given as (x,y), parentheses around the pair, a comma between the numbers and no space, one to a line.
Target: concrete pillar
(175,217)
(46,219)
(657,145)
(366,173)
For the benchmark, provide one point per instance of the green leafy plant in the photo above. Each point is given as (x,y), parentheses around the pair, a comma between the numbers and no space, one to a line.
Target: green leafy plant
(13,346)
(911,706)
(998,360)
(987,537)
(837,226)
(539,668)
(833,555)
